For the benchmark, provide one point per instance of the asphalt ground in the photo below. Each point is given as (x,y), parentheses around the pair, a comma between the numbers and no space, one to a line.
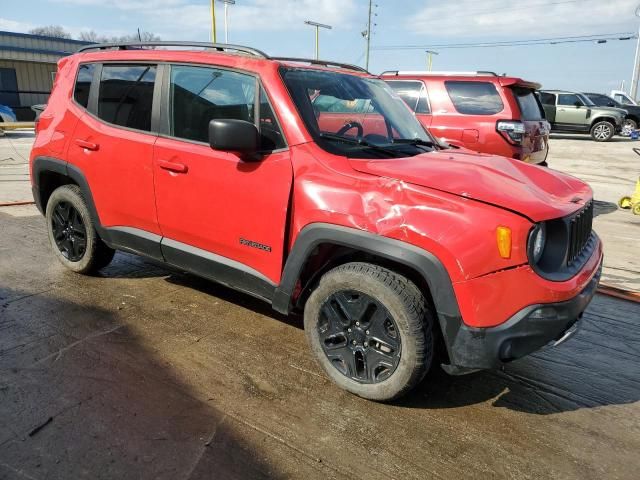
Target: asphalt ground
(147,372)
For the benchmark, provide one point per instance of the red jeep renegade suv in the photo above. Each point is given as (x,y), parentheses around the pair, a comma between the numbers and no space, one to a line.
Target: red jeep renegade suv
(244,169)
(481,111)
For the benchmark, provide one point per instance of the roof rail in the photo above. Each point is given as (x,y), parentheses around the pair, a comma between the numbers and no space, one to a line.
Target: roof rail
(324,63)
(418,72)
(222,47)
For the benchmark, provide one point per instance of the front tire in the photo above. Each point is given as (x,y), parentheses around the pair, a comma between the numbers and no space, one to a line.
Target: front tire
(72,235)
(628,126)
(371,330)
(602,131)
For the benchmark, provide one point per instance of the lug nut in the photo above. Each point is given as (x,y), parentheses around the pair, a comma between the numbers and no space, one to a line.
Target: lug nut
(348,330)
(367,332)
(353,341)
(357,324)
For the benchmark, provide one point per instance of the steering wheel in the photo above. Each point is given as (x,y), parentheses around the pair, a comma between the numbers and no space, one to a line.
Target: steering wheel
(348,126)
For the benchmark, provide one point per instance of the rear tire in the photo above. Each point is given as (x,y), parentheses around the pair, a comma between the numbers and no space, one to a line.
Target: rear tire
(371,330)
(72,235)
(602,131)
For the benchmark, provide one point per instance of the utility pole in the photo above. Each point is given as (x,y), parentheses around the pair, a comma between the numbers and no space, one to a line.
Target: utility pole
(430,54)
(317,27)
(226,18)
(366,62)
(213,21)
(636,64)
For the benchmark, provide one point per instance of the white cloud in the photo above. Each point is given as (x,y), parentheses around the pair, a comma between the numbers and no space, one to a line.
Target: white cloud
(530,19)
(14,26)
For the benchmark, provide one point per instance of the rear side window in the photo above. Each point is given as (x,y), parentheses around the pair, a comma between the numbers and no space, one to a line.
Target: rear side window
(474,98)
(568,99)
(528,103)
(413,93)
(126,95)
(83,83)
(547,98)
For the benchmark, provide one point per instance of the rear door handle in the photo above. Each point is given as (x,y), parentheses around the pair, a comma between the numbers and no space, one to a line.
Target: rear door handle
(87,145)
(173,166)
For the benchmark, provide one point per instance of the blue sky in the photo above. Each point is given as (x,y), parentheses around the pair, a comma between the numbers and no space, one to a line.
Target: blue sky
(277,27)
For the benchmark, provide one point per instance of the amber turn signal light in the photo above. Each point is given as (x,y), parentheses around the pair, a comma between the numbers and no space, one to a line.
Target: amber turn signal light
(503,238)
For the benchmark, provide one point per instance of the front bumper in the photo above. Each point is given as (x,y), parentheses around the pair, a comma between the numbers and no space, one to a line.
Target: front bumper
(525,332)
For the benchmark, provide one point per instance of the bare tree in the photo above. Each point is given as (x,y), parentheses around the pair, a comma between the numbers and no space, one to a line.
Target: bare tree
(51,31)
(92,36)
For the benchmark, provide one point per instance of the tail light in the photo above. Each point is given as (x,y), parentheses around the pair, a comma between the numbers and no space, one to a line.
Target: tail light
(513,131)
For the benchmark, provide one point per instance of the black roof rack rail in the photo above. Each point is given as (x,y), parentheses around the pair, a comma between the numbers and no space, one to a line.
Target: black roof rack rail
(436,73)
(222,47)
(324,63)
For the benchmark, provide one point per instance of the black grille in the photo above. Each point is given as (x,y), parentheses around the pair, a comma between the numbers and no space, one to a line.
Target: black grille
(579,232)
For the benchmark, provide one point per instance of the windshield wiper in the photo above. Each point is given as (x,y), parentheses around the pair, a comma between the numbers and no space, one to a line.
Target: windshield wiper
(356,141)
(416,142)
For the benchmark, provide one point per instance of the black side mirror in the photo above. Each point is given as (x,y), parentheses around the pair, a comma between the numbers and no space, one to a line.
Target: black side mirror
(611,104)
(233,135)
(578,104)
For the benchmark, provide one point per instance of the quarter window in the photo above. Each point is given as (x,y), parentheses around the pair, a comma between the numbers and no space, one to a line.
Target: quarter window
(413,93)
(474,98)
(126,95)
(83,83)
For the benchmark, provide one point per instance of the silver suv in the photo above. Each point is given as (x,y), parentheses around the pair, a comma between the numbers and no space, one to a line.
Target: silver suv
(574,112)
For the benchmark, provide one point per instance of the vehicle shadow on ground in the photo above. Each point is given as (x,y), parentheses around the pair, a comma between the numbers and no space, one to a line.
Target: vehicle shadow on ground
(16,134)
(600,207)
(599,366)
(585,137)
(80,393)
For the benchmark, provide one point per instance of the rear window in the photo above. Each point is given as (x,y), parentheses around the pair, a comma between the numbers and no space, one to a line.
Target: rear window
(126,95)
(528,103)
(413,93)
(83,83)
(474,98)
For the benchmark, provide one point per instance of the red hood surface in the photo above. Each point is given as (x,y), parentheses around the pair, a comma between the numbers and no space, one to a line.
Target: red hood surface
(536,192)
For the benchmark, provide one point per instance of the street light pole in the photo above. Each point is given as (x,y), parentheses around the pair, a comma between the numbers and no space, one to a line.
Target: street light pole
(317,27)
(636,63)
(430,54)
(226,18)
(366,62)
(213,21)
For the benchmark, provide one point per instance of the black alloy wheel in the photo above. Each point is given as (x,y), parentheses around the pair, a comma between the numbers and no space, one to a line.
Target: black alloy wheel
(359,336)
(69,231)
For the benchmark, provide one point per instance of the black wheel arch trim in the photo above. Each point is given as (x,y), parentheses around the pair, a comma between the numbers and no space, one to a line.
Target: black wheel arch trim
(123,238)
(425,263)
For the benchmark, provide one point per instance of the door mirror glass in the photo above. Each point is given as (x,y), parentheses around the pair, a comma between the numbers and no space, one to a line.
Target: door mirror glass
(578,103)
(233,135)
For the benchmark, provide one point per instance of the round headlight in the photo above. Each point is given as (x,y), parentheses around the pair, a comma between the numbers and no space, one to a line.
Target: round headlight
(538,240)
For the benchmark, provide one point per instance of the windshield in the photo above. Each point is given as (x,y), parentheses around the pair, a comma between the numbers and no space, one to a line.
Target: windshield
(354,116)
(586,100)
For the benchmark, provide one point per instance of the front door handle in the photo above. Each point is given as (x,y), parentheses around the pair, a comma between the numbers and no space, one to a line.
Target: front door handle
(173,166)
(87,145)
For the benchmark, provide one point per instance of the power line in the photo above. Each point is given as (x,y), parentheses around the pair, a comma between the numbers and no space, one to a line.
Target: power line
(601,38)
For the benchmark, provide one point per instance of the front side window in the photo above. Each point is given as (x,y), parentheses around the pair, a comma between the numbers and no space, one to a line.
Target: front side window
(83,83)
(355,116)
(568,100)
(600,100)
(126,95)
(413,93)
(474,98)
(198,95)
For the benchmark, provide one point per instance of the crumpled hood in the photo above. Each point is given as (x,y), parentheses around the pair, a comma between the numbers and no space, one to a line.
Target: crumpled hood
(535,192)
